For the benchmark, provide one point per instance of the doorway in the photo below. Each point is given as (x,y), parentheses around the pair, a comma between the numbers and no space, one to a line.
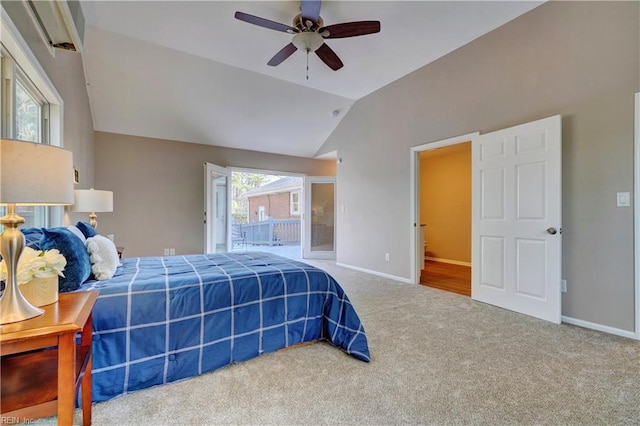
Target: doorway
(420,236)
(445,217)
(259,210)
(266,212)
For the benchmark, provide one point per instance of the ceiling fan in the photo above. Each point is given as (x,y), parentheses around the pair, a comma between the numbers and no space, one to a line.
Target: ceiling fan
(309,33)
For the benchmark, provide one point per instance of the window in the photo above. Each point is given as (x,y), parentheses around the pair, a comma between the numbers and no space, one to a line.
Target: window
(28,112)
(294,202)
(23,110)
(261,215)
(30,109)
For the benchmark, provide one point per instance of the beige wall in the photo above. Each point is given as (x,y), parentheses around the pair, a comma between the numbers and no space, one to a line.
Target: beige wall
(445,202)
(67,75)
(158,188)
(577,59)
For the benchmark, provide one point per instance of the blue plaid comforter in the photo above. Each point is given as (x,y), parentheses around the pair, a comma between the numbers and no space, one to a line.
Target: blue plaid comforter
(161,319)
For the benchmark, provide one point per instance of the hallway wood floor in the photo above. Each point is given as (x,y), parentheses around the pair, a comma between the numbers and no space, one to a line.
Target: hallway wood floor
(446,276)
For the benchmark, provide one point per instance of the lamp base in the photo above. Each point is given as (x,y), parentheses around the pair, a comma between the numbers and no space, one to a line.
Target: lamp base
(15,310)
(93,220)
(13,306)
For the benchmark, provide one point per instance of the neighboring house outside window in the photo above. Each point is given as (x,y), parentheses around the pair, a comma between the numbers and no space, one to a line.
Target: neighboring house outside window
(274,215)
(280,199)
(294,203)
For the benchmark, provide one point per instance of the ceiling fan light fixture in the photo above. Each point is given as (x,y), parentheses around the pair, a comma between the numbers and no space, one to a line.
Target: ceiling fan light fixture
(308,41)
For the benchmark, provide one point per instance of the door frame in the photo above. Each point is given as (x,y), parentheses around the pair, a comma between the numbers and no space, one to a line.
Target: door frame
(636,213)
(414,172)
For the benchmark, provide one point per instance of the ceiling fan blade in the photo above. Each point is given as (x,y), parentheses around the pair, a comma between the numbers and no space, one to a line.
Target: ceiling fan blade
(310,10)
(283,54)
(265,23)
(329,57)
(351,29)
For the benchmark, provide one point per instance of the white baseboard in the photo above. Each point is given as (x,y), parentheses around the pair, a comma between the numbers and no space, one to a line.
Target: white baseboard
(565,319)
(379,274)
(599,327)
(453,262)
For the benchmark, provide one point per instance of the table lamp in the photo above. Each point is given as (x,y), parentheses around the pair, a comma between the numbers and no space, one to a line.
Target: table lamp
(92,201)
(31,174)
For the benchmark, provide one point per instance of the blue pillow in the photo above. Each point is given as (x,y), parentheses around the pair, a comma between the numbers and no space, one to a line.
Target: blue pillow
(32,237)
(78,267)
(87,230)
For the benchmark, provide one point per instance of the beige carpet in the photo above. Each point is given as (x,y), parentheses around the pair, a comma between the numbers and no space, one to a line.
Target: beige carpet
(437,358)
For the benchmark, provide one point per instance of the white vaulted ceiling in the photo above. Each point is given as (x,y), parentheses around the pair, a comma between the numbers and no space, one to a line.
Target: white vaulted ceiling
(189,71)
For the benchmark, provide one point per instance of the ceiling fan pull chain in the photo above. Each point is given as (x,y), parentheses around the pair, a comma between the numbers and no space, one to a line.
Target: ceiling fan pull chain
(307,64)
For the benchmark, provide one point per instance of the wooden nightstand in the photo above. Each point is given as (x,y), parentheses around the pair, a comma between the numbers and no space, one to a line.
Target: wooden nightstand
(40,383)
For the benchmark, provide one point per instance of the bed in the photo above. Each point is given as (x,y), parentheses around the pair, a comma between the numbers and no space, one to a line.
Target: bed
(162,319)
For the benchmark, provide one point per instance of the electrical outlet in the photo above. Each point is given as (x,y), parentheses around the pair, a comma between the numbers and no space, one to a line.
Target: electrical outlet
(386,257)
(166,252)
(623,199)
(563,286)
(172,251)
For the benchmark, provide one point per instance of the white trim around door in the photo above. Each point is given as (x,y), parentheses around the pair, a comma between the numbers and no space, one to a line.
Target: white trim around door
(416,245)
(636,211)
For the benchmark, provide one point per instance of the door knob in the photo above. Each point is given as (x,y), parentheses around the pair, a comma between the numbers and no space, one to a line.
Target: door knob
(552,231)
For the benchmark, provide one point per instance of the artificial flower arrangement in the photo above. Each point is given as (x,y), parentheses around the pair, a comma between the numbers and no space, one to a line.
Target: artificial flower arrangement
(36,264)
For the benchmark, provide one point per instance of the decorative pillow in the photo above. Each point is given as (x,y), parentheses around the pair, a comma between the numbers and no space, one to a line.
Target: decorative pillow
(78,233)
(78,267)
(32,237)
(87,230)
(104,257)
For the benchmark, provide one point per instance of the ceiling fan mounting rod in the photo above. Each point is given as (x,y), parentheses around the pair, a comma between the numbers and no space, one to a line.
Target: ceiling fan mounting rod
(307,25)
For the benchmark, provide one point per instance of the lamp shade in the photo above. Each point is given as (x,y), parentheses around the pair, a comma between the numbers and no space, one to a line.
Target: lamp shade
(34,174)
(92,200)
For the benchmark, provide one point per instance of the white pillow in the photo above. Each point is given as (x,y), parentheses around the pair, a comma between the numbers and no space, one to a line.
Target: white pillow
(104,257)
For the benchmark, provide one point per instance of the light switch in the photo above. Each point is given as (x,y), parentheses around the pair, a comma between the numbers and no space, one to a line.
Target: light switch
(624,199)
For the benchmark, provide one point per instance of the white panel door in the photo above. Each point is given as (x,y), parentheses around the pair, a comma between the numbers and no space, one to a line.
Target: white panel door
(217,199)
(516,218)
(319,240)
